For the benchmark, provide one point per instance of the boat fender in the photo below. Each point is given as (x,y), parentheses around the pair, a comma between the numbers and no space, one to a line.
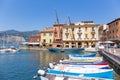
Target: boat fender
(60,61)
(41,72)
(45,69)
(54,63)
(35,77)
(51,66)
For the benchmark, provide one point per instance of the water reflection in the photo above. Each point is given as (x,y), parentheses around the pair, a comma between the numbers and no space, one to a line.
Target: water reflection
(24,64)
(45,57)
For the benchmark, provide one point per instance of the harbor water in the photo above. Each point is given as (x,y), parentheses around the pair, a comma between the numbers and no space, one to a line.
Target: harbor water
(24,64)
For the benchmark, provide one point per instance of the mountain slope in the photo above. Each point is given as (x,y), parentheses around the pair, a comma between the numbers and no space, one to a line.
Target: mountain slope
(26,34)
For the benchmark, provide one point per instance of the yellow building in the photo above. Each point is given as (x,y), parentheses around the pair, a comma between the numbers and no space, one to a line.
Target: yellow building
(47,37)
(81,34)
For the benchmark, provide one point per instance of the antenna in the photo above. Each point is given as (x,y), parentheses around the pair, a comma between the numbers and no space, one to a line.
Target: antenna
(57,19)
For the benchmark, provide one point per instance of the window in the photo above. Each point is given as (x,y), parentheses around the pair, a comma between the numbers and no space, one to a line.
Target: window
(85,28)
(55,35)
(112,24)
(117,23)
(44,40)
(93,36)
(72,29)
(50,34)
(93,29)
(86,36)
(66,29)
(44,34)
(113,31)
(66,36)
(79,36)
(116,29)
(50,41)
(110,32)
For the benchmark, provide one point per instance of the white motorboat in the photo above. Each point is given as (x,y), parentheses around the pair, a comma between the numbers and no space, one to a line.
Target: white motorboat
(12,49)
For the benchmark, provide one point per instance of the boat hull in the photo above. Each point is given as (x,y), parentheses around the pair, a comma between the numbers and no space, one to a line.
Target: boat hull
(105,74)
(86,59)
(66,50)
(83,55)
(86,63)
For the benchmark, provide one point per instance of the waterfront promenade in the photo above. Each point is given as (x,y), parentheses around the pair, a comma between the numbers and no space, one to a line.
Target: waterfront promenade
(113,56)
(32,48)
(114,53)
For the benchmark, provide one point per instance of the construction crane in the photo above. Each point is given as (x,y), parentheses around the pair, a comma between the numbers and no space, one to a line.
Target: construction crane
(57,19)
(72,30)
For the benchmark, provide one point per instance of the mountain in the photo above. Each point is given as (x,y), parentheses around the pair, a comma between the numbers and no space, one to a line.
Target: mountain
(17,34)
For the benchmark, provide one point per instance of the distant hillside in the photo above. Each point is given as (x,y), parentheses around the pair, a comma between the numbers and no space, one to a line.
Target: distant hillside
(26,34)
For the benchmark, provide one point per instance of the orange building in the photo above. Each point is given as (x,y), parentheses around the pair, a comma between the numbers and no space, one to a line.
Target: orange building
(35,38)
(57,38)
(114,30)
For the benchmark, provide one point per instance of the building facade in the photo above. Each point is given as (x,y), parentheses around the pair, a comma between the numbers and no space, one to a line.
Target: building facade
(47,37)
(103,31)
(114,30)
(57,32)
(81,34)
(34,39)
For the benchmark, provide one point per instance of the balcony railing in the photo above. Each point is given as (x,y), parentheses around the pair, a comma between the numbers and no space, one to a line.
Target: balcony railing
(93,32)
(79,32)
(79,38)
(66,33)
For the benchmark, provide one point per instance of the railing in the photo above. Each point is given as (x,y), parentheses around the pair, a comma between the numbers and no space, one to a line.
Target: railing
(113,56)
(114,38)
(93,32)
(66,33)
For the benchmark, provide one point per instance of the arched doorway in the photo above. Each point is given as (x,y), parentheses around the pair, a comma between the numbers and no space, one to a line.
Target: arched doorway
(73,45)
(67,44)
(79,44)
(92,44)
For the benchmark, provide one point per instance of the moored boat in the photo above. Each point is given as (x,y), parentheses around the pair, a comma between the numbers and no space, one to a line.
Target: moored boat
(97,73)
(83,55)
(13,49)
(85,63)
(73,50)
(3,49)
(62,66)
(86,59)
(56,77)
(58,50)
(66,50)
(83,59)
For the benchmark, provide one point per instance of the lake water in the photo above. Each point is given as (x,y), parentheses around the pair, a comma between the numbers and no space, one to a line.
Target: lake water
(24,64)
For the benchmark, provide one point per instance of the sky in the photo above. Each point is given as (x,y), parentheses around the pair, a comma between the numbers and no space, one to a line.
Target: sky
(27,15)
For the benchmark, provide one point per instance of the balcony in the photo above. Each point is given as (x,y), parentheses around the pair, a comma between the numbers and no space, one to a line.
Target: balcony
(66,33)
(93,38)
(86,38)
(79,32)
(93,32)
(79,38)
